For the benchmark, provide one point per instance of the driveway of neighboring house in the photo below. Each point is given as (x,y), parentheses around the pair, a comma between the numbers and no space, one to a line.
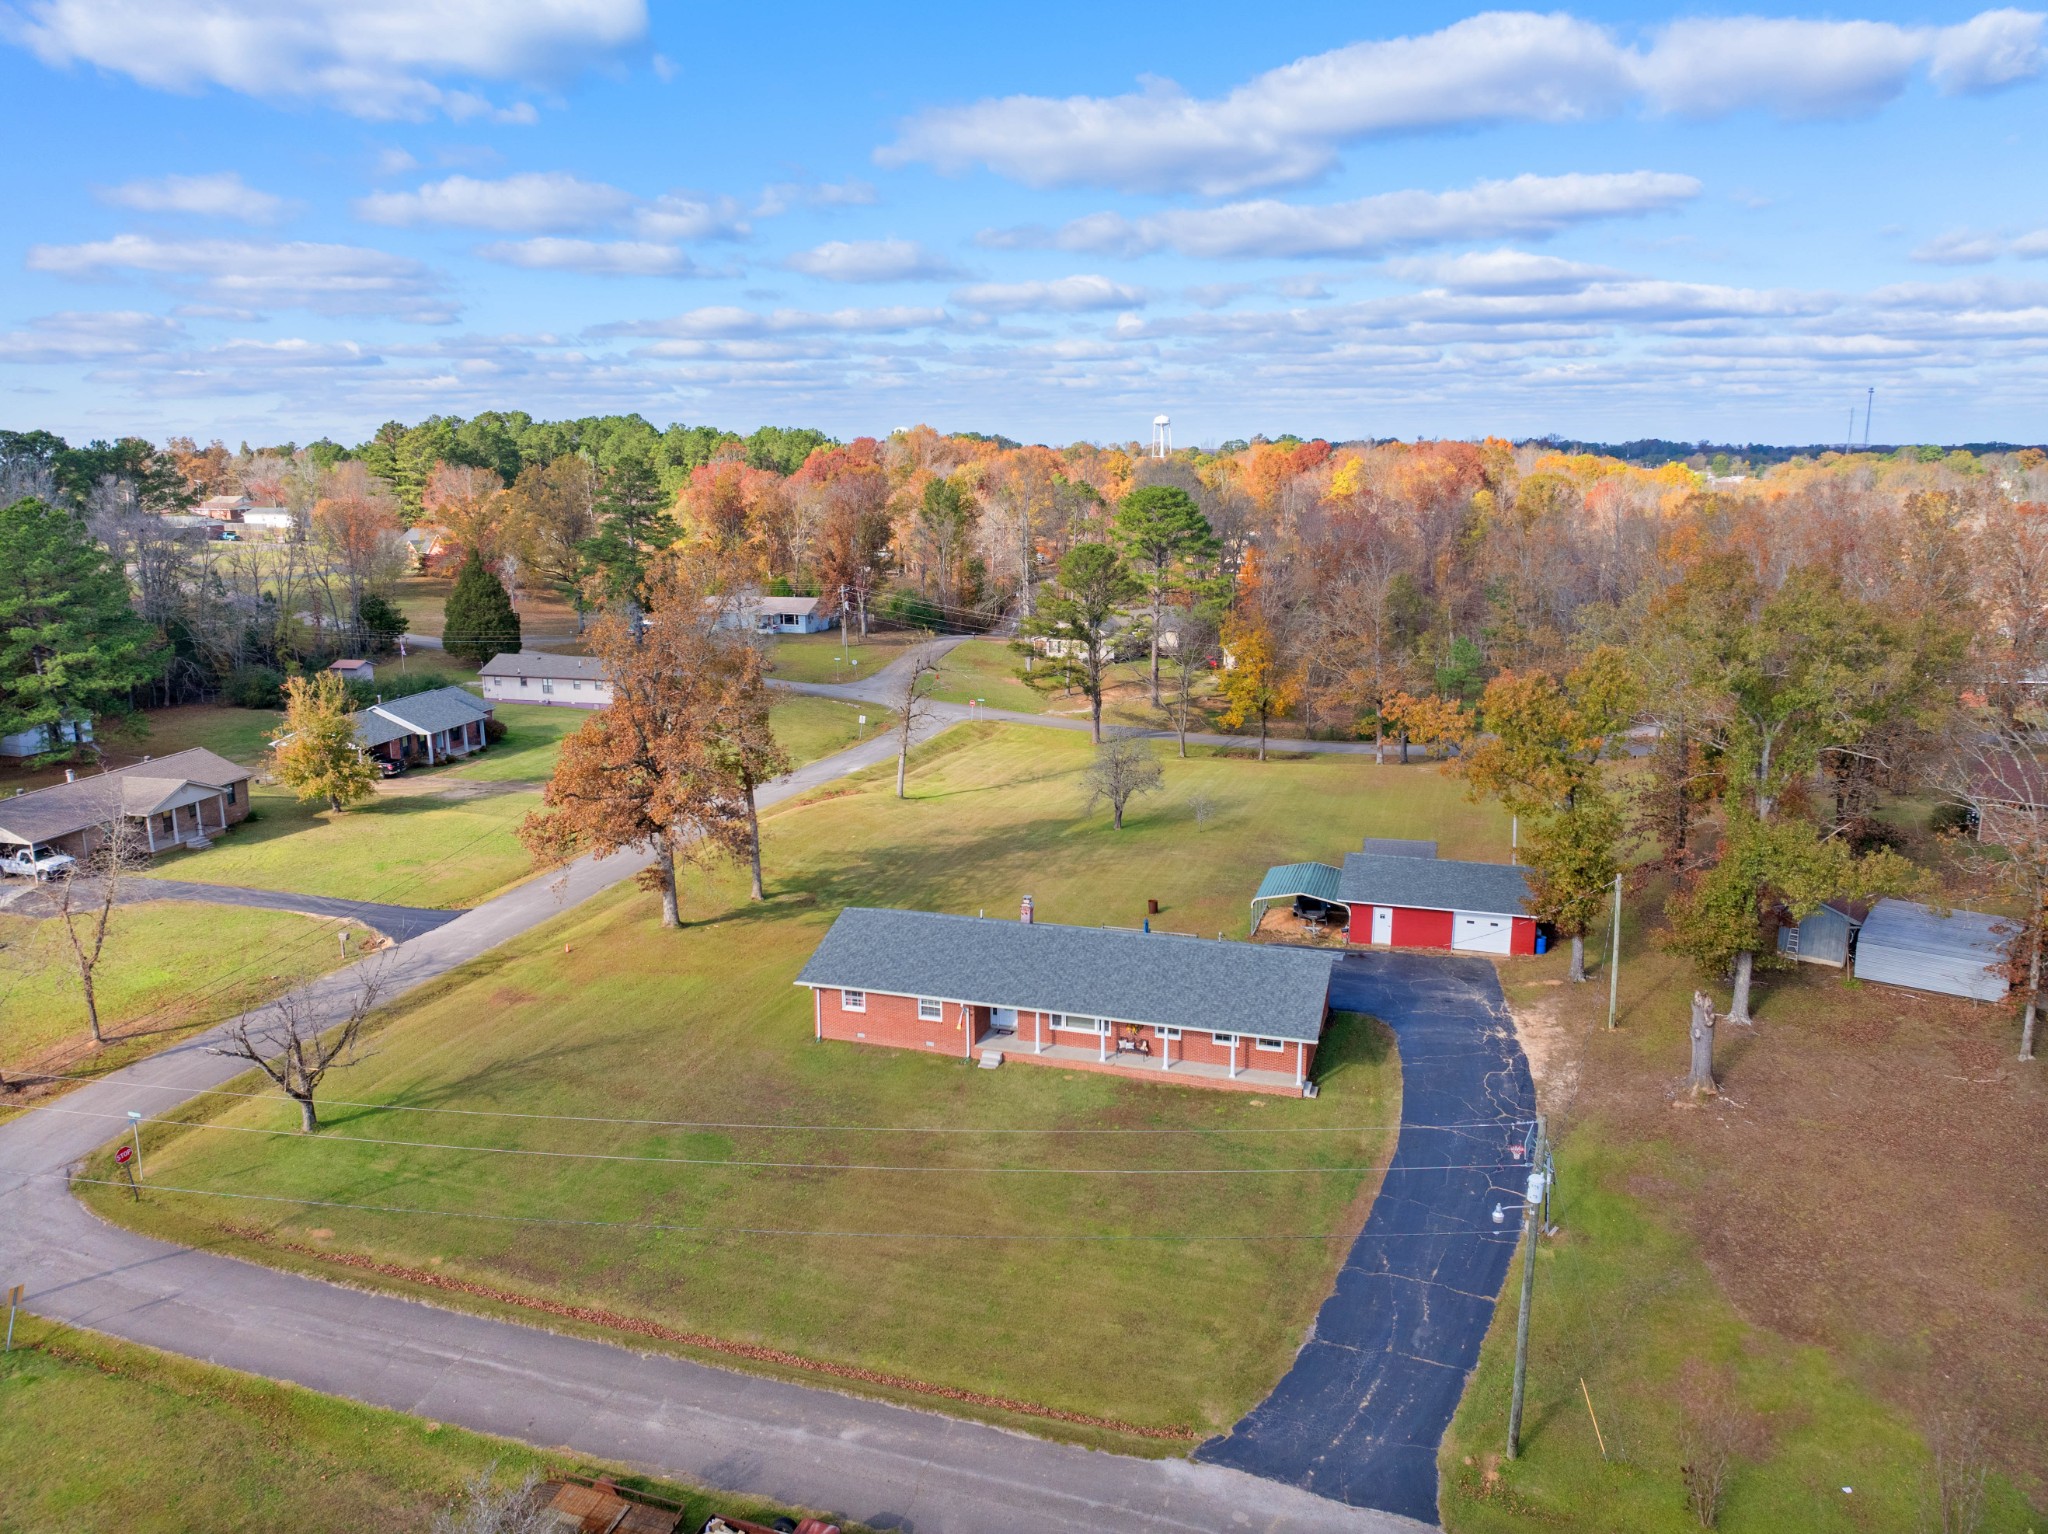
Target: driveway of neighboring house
(1359,1416)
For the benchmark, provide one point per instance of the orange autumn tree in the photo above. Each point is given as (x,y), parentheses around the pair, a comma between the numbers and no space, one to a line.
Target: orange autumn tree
(1259,681)
(660,770)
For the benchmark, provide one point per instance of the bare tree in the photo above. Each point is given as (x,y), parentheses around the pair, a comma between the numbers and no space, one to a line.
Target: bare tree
(86,897)
(298,1038)
(1124,767)
(1961,1475)
(914,701)
(1195,639)
(1998,771)
(485,1507)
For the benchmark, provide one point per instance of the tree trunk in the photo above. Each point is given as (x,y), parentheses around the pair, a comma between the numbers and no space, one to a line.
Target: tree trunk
(1701,1081)
(1095,713)
(92,1005)
(1578,970)
(665,866)
(1404,748)
(1262,735)
(754,840)
(1183,725)
(902,765)
(1379,741)
(1116,814)
(309,1121)
(2033,997)
(1738,1004)
(1155,637)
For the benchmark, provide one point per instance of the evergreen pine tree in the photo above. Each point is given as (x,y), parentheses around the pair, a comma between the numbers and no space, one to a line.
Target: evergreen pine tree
(480,620)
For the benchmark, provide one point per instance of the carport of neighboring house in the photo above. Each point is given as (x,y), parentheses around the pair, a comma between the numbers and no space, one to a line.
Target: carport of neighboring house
(1409,899)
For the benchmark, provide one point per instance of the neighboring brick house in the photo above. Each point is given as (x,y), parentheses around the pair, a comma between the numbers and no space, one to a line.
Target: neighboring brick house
(427,727)
(536,676)
(172,801)
(2010,795)
(1154,1005)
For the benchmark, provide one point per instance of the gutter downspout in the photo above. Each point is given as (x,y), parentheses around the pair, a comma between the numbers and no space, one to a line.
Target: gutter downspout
(818,1012)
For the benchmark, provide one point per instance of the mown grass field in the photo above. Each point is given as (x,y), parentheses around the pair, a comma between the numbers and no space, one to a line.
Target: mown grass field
(1175,1313)
(1831,1263)
(819,658)
(169,967)
(100,1434)
(440,836)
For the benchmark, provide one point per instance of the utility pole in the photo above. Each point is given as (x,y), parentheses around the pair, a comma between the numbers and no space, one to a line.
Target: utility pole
(1614,963)
(843,652)
(1533,1196)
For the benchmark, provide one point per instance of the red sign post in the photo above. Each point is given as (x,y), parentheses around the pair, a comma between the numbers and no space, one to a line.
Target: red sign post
(122,1157)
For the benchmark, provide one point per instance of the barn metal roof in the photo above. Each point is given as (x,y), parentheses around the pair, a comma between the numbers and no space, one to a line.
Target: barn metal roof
(1434,884)
(1960,954)
(1316,880)
(1131,977)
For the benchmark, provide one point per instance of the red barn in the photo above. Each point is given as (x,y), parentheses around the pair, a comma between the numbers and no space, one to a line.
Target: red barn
(1155,1005)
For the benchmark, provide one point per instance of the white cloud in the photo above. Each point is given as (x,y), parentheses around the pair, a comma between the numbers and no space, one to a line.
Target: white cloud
(603,258)
(530,201)
(677,216)
(1499,271)
(372,58)
(89,336)
(1288,124)
(725,320)
(253,276)
(223,194)
(781,196)
(1964,247)
(1059,295)
(1372,226)
(870,261)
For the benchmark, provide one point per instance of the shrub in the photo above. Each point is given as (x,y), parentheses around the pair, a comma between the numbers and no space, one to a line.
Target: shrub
(910,610)
(254,687)
(495,730)
(1949,819)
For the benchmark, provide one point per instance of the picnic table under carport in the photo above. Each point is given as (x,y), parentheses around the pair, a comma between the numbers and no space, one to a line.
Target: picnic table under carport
(1310,888)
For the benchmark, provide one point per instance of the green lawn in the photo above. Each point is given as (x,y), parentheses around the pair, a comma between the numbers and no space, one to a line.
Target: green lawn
(100,1434)
(414,844)
(169,967)
(818,657)
(602,1014)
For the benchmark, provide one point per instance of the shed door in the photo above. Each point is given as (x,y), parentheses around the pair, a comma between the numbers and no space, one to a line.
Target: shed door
(1383,925)
(1481,934)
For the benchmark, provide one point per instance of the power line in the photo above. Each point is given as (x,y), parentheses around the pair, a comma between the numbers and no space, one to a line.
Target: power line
(912,1129)
(746,1230)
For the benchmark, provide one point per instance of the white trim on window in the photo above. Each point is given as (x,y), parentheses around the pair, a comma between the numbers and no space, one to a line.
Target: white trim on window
(1165,1032)
(930,1010)
(853,1001)
(1272,1046)
(1224,1040)
(1073,1024)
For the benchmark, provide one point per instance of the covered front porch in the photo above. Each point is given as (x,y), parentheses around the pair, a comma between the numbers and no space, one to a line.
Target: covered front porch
(183,821)
(1147,1068)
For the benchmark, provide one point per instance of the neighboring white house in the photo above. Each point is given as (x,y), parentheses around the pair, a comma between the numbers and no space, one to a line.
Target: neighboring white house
(270,519)
(772,615)
(534,676)
(37,739)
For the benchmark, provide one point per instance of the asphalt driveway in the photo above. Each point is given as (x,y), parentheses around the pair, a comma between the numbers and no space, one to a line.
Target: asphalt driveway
(1359,1416)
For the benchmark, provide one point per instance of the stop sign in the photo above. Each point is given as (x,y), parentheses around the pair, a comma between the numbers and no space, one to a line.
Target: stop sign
(123,1156)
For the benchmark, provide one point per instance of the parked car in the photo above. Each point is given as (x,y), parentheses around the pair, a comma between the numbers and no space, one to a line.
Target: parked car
(37,863)
(388,767)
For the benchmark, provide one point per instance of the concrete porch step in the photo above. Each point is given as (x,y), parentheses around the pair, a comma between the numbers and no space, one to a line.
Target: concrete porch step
(991,1058)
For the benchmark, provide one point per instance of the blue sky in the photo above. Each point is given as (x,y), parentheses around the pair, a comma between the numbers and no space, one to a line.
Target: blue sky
(241,219)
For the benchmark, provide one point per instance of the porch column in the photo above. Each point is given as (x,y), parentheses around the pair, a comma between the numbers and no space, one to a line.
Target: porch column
(220,802)
(817,1012)
(149,830)
(1165,1051)
(1233,1057)
(1041,1033)
(1102,1040)
(1300,1052)
(967,1030)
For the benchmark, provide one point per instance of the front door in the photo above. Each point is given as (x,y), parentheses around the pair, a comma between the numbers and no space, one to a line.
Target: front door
(1003,1019)
(1481,934)
(1383,925)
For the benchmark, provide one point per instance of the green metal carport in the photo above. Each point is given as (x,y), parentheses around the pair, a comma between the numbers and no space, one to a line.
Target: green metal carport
(1318,881)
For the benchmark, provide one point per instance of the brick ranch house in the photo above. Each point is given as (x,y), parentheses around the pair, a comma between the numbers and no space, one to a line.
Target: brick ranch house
(1238,1016)
(427,727)
(172,801)
(1411,899)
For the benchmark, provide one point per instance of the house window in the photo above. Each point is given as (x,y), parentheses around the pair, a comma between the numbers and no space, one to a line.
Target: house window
(1167,1033)
(575,687)
(166,822)
(523,682)
(1273,1046)
(1078,1024)
(547,684)
(232,789)
(853,1001)
(930,1011)
(1225,1040)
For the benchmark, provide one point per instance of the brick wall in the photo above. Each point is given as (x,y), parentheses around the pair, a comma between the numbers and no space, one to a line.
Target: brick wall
(893,1020)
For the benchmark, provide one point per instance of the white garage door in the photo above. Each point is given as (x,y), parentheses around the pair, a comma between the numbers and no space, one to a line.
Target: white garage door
(1481,934)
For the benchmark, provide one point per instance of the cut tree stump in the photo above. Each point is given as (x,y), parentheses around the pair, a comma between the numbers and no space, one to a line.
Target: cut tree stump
(1701,1082)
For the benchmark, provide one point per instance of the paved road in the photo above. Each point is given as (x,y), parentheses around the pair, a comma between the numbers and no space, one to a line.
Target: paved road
(400,923)
(1360,1414)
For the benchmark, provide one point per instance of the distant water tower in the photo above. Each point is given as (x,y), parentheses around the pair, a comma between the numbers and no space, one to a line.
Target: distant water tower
(1162,436)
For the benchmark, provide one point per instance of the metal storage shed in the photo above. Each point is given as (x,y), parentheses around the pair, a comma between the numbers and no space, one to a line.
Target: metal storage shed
(1823,937)
(1960,954)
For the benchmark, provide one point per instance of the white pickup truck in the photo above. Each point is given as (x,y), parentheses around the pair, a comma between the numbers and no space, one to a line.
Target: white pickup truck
(37,862)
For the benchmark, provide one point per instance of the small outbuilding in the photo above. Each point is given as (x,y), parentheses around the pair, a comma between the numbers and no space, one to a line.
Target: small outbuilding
(1408,901)
(354,670)
(1961,954)
(1826,936)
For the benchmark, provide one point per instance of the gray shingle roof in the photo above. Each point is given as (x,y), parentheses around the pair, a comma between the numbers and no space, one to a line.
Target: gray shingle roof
(1396,847)
(63,808)
(1433,884)
(1131,977)
(539,663)
(443,708)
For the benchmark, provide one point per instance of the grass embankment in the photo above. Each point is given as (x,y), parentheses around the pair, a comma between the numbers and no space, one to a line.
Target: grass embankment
(441,836)
(602,1014)
(100,1434)
(169,967)
(1824,1267)
(819,657)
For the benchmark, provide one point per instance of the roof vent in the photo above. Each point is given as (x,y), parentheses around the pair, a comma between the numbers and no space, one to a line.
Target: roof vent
(1025,915)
